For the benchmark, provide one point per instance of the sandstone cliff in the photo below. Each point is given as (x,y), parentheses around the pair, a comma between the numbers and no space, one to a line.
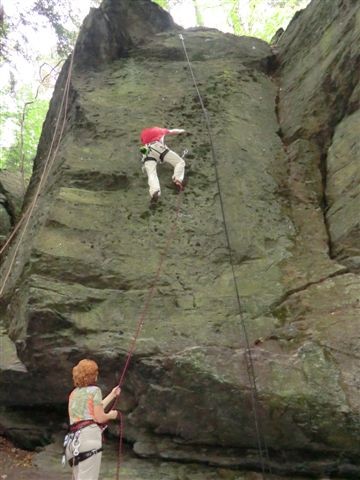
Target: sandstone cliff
(285,122)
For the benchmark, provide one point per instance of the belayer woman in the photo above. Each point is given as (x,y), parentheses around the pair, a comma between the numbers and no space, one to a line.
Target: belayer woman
(83,443)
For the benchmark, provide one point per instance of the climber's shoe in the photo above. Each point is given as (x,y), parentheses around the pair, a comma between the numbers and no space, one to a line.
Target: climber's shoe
(155,198)
(179,185)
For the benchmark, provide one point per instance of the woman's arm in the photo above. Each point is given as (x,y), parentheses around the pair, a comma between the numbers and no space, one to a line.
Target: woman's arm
(101,417)
(115,392)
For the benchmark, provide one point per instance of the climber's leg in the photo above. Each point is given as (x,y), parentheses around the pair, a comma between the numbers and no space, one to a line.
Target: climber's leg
(153,181)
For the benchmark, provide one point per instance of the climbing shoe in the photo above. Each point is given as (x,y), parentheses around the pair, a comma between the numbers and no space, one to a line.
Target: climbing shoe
(155,197)
(179,185)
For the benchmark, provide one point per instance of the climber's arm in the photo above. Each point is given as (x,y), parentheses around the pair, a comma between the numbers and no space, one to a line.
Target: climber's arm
(175,131)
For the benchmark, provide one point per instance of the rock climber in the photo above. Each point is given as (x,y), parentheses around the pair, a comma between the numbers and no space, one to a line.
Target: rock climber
(155,151)
(83,443)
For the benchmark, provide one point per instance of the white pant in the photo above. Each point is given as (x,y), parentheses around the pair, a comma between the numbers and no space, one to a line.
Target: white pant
(171,157)
(90,438)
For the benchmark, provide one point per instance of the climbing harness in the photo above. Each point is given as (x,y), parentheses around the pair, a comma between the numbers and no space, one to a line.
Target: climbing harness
(146,152)
(162,155)
(149,159)
(72,440)
(261,441)
(81,456)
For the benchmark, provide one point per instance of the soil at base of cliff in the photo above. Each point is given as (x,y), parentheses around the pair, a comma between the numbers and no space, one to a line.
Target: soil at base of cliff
(17,464)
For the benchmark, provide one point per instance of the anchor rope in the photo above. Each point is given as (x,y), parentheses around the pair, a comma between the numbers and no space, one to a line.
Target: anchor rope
(143,314)
(261,441)
(49,161)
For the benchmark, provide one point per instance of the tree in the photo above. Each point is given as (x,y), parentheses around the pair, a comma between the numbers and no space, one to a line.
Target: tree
(163,4)
(63,16)
(22,119)
(198,14)
(261,18)
(23,104)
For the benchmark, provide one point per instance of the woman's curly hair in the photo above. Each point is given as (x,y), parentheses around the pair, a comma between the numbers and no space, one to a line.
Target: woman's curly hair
(85,373)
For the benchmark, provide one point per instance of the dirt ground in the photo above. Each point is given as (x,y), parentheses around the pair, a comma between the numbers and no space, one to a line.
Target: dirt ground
(17,464)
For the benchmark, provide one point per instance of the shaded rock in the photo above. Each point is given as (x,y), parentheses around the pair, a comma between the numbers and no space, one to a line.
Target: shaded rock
(274,40)
(110,31)
(9,359)
(12,188)
(28,430)
(320,95)
(319,70)
(11,197)
(343,191)
(5,219)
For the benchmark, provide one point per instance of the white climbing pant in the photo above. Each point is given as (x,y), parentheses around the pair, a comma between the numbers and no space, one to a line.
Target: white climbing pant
(171,157)
(90,438)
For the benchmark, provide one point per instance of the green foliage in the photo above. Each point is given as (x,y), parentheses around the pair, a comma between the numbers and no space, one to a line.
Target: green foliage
(63,16)
(21,115)
(261,18)
(59,13)
(20,124)
(258,18)
(163,4)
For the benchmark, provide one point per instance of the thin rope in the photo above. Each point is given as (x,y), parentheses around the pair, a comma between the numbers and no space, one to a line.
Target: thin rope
(152,289)
(120,449)
(142,317)
(45,173)
(25,213)
(261,443)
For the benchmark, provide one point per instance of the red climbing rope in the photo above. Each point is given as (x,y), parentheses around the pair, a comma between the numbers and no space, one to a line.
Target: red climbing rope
(142,317)
(25,219)
(152,289)
(120,449)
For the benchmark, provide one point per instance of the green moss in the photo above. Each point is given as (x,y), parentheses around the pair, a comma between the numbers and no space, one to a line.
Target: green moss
(282,314)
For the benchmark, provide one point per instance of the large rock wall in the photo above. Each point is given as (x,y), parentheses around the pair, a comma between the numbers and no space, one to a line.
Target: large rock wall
(319,104)
(93,246)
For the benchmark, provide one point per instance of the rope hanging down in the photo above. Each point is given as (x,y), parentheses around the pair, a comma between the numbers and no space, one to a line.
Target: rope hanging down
(142,317)
(49,161)
(261,442)
(25,219)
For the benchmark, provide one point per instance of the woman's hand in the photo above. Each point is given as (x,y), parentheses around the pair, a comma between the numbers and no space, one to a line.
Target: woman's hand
(114,414)
(109,401)
(115,392)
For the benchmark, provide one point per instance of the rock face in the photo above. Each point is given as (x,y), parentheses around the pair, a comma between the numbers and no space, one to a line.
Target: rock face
(319,104)
(11,197)
(285,124)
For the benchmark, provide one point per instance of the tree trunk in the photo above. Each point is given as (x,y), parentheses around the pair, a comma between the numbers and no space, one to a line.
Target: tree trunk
(199,17)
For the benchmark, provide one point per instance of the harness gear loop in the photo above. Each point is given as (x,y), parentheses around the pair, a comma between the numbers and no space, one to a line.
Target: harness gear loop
(73,438)
(76,445)
(146,152)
